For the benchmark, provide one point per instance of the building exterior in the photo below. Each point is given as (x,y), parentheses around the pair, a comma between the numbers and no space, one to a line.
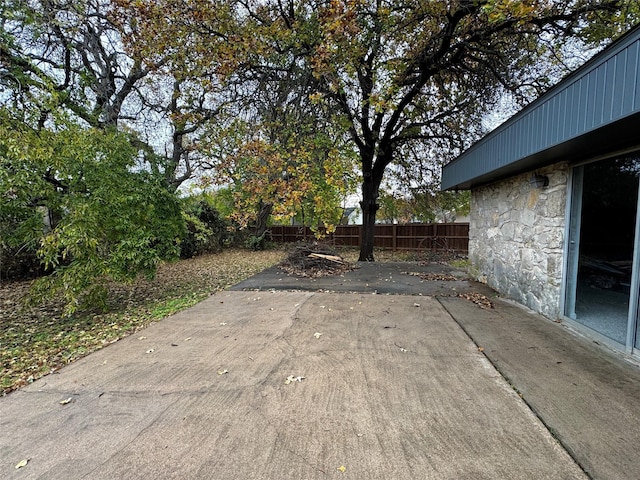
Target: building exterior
(554,204)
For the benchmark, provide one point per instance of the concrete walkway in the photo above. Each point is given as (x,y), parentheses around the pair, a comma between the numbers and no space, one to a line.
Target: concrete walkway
(587,395)
(309,385)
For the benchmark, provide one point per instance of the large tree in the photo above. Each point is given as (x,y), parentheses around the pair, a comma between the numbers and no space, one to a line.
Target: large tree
(71,57)
(95,140)
(275,146)
(402,78)
(410,73)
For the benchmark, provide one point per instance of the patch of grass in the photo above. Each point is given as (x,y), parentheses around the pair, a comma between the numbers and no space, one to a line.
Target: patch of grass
(39,340)
(174,305)
(461,263)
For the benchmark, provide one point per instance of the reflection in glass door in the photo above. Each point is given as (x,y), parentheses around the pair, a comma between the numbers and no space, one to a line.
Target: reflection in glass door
(601,246)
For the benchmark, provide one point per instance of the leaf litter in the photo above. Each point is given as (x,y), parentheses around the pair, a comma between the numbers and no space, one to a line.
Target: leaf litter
(436,277)
(481,300)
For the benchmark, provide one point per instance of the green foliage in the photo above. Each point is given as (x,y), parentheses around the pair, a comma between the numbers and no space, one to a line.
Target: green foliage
(301,172)
(280,100)
(424,206)
(222,201)
(461,263)
(207,231)
(599,29)
(257,242)
(390,206)
(109,220)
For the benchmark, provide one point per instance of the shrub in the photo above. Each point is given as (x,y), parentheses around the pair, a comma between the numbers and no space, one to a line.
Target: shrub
(207,231)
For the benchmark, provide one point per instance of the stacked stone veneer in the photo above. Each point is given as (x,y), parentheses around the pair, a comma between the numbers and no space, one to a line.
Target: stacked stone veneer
(516,237)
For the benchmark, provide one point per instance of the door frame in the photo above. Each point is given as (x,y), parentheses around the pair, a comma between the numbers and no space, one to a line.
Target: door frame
(573,214)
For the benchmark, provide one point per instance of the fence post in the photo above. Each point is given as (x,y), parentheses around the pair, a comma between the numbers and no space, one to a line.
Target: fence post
(394,240)
(434,236)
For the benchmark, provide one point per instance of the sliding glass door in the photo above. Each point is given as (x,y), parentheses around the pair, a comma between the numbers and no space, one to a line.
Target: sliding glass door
(601,279)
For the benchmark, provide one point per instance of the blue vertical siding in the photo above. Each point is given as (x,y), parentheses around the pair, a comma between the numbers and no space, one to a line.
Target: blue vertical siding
(605,90)
(632,88)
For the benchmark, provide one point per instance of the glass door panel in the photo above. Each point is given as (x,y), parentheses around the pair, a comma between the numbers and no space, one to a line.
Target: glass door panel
(602,239)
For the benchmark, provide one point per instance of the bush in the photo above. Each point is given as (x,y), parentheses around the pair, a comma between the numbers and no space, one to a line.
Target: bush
(207,231)
(19,264)
(256,242)
(106,219)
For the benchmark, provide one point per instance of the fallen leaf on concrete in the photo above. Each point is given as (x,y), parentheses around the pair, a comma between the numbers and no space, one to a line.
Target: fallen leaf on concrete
(22,463)
(293,378)
(65,402)
(342,468)
(481,349)
(317,334)
(223,372)
(481,300)
(439,277)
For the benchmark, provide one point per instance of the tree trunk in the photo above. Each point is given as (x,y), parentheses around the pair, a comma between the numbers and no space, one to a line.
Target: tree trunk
(264,211)
(369,207)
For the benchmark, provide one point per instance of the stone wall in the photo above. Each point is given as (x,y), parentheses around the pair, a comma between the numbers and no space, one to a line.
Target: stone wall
(516,237)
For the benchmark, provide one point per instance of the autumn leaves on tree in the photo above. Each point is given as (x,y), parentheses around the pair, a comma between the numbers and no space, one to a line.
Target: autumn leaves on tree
(393,80)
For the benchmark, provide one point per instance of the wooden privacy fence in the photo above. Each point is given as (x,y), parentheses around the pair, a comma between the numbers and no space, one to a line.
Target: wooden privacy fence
(412,236)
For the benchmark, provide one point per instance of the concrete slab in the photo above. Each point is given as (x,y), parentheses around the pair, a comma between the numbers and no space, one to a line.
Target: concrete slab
(392,388)
(388,278)
(585,394)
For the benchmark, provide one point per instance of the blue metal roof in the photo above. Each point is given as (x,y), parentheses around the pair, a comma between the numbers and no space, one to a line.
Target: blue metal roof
(594,110)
